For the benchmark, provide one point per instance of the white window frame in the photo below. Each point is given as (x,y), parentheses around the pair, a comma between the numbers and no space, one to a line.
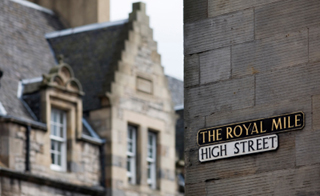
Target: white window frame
(56,139)
(131,156)
(151,160)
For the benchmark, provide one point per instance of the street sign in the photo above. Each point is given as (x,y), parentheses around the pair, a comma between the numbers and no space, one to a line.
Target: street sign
(238,148)
(252,128)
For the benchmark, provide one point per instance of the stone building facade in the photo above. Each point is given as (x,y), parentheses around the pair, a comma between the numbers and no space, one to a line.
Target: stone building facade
(85,110)
(247,60)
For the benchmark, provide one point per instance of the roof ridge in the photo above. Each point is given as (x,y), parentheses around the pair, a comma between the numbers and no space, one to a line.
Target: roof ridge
(84,28)
(34,6)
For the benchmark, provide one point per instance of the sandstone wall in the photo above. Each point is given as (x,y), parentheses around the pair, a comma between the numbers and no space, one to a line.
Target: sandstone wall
(84,171)
(246,60)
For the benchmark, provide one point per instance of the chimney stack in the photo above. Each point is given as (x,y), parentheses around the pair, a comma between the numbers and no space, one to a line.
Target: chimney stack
(74,13)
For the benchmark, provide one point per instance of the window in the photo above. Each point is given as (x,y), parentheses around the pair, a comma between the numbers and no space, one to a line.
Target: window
(58,139)
(131,154)
(151,159)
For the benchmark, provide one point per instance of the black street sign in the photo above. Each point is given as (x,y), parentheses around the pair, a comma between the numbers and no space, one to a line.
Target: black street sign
(252,128)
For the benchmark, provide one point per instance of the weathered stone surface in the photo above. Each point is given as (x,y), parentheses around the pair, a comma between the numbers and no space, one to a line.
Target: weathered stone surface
(228,95)
(290,83)
(218,7)
(191,70)
(314,43)
(308,148)
(263,111)
(283,158)
(194,12)
(288,182)
(215,65)
(270,54)
(195,189)
(190,136)
(218,32)
(284,17)
(316,112)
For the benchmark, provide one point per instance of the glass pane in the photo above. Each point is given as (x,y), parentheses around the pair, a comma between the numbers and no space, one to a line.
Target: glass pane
(52,145)
(61,117)
(61,132)
(130,146)
(59,147)
(59,159)
(150,140)
(149,171)
(54,113)
(150,153)
(128,164)
(52,158)
(130,133)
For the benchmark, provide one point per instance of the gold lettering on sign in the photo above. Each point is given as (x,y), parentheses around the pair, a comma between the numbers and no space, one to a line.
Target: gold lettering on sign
(284,122)
(203,136)
(247,129)
(254,128)
(261,128)
(289,126)
(218,134)
(234,131)
(274,124)
(297,120)
(211,136)
(229,130)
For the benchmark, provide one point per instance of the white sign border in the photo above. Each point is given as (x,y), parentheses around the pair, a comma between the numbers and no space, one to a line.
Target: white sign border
(240,154)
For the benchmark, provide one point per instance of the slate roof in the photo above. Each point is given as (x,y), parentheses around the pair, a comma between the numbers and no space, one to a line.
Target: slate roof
(24,51)
(93,52)
(176,89)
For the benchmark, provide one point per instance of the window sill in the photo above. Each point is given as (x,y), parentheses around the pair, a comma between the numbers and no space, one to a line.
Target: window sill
(57,168)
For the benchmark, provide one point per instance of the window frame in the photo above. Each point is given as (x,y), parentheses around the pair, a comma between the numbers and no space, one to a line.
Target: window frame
(62,140)
(131,156)
(152,161)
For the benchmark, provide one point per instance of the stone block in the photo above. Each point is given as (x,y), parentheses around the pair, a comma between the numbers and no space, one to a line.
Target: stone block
(314,43)
(218,7)
(191,127)
(307,148)
(191,70)
(215,65)
(263,111)
(195,189)
(227,95)
(280,182)
(316,112)
(218,32)
(194,11)
(291,83)
(285,17)
(235,167)
(270,54)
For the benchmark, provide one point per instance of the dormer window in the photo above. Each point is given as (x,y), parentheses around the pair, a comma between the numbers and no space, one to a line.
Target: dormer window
(58,138)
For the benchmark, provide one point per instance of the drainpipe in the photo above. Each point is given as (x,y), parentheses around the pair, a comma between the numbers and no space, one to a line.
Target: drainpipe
(28,149)
(102,165)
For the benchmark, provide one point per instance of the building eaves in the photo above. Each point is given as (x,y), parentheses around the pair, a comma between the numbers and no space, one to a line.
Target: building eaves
(93,136)
(81,29)
(25,122)
(34,6)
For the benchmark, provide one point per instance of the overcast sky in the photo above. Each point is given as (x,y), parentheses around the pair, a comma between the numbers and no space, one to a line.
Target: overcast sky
(166,20)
